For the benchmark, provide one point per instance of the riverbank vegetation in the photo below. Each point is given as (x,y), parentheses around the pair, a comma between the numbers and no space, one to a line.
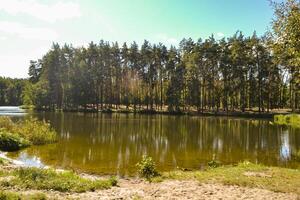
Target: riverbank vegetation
(50,179)
(292,120)
(4,195)
(245,174)
(147,168)
(18,135)
(238,73)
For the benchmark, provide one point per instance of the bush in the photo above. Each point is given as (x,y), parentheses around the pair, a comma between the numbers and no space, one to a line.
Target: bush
(12,142)
(292,120)
(113,181)
(147,168)
(37,132)
(49,179)
(15,136)
(7,124)
(214,163)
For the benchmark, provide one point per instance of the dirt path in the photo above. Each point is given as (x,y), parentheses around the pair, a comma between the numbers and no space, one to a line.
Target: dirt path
(173,189)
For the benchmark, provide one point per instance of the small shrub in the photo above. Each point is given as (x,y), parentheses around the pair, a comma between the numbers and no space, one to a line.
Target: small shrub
(292,120)
(12,142)
(113,181)
(214,163)
(7,124)
(15,136)
(38,132)
(147,168)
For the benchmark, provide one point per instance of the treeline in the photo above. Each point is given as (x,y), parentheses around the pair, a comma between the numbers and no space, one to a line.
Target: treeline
(236,73)
(11,91)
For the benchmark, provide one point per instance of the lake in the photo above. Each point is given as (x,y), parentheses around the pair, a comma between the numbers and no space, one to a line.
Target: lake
(114,143)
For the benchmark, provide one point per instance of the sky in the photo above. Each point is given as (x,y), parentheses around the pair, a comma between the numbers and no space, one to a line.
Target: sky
(29,27)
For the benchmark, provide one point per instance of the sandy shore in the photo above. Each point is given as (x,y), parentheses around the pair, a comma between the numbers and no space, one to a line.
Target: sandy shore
(172,189)
(135,188)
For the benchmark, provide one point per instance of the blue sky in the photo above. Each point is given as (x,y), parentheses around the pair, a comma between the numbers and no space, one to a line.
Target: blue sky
(28,27)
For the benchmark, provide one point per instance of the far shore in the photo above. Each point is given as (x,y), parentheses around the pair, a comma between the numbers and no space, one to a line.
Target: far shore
(253,113)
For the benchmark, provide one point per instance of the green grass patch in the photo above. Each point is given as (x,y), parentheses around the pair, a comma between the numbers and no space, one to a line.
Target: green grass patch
(17,135)
(244,174)
(49,179)
(291,120)
(5,195)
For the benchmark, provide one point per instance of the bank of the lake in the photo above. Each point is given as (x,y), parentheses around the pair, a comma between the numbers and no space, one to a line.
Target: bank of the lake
(231,179)
(245,180)
(248,113)
(112,143)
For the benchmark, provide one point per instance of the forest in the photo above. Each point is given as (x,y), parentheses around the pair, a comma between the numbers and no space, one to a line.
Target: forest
(11,91)
(237,73)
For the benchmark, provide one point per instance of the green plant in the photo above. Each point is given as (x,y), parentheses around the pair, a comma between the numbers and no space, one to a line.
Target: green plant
(49,179)
(7,124)
(4,195)
(38,132)
(147,168)
(292,120)
(113,180)
(12,142)
(15,136)
(214,163)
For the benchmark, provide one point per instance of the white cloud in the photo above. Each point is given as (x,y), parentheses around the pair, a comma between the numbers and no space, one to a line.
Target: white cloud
(46,12)
(167,40)
(26,32)
(220,34)
(3,38)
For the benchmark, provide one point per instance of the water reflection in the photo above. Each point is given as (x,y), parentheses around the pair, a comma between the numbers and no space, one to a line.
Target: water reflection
(114,143)
(285,150)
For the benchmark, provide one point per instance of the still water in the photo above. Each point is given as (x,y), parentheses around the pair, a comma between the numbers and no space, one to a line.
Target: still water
(114,143)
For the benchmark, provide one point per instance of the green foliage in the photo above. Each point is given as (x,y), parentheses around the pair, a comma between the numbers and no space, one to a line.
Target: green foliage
(291,120)
(9,196)
(236,73)
(4,195)
(2,161)
(147,168)
(214,164)
(12,142)
(37,132)
(7,124)
(49,179)
(14,136)
(11,91)
(113,181)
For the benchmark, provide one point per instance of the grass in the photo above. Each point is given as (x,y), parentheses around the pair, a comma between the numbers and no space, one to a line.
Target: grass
(27,107)
(17,135)
(49,179)
(244,174)
(292,120)
(12,142)
(5,195)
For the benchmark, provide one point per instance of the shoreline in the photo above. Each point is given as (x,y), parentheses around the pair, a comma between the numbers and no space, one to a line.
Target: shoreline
(239,114)
(245,181)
